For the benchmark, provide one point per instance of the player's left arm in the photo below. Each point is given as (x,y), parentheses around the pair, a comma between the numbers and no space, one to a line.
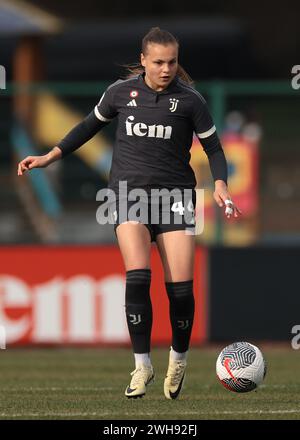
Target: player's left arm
(208,137)
(218,166)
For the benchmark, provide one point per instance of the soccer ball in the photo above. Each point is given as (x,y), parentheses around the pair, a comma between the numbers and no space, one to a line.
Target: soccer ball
(241,367)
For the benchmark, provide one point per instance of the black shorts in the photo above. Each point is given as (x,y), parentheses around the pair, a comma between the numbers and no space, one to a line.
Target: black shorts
(171,211)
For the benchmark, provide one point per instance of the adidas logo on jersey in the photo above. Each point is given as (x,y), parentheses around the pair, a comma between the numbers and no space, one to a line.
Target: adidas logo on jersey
(132,103)
(141,129)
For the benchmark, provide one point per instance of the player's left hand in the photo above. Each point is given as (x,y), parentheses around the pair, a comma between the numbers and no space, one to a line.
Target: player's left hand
(222,197)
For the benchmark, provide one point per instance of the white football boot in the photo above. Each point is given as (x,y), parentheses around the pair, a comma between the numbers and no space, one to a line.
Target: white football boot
(142,376)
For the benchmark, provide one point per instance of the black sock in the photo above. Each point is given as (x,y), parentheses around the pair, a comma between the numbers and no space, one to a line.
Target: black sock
(182,306)
(139,309)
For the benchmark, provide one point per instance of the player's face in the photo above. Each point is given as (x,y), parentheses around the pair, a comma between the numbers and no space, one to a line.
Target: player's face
(160,63)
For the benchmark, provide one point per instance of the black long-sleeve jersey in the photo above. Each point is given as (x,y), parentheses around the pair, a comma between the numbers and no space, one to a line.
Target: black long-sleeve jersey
(154,134)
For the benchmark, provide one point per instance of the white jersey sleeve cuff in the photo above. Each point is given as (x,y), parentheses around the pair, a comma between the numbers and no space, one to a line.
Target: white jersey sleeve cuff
(207,133)
(99,116)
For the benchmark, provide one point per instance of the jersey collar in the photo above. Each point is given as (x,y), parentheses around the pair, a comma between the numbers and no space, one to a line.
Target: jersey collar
(167,90)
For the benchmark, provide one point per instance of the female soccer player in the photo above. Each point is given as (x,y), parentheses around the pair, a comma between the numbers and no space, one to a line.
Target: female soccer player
(158,111)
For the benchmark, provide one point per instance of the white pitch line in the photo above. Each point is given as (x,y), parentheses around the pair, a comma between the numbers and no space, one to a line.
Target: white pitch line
(6,389)
(54,414)
(260,411)
(290,386)
(58,389)
(103,414)
(210,413)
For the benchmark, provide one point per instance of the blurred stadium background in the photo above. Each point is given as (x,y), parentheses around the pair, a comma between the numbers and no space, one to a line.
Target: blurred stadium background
(61,275)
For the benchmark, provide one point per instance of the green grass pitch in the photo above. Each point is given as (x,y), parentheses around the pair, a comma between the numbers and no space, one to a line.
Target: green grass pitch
(89,383)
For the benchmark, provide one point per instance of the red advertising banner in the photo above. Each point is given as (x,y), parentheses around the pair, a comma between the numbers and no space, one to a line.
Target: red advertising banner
(75,295)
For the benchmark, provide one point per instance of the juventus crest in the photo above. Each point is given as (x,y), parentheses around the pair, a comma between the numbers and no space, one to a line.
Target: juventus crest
(174,103)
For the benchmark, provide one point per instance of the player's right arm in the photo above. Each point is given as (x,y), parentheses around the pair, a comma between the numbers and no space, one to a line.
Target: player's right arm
(39,161)
(102,114)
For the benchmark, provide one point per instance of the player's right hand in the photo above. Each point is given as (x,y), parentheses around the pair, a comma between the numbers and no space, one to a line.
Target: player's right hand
(32,162)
